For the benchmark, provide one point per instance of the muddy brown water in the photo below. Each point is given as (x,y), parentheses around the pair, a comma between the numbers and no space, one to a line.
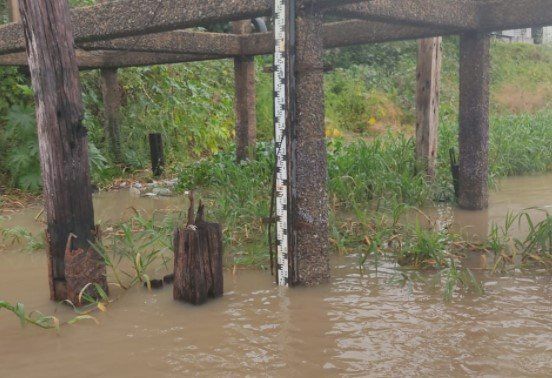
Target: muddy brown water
(358,325)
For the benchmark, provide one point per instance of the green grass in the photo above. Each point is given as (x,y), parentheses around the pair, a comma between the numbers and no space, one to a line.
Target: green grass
(374,175)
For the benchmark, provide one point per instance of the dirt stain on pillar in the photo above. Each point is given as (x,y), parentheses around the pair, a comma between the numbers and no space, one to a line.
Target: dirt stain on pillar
(474,121)
(310,207)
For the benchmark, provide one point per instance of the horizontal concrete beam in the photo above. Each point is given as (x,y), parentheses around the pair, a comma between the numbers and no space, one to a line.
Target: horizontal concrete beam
(348,33)
(457,14)
(126,18)
(514,14)
(114,59)
(336,34)
(176,42)
(356,32)
(460,14)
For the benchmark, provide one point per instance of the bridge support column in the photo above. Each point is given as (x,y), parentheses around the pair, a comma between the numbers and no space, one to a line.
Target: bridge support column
(245,98)
(310,198)
(474,121)
(63,145)
(427,103)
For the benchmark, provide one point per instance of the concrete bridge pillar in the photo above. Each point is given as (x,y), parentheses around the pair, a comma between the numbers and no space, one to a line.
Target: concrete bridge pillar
(474,121)
(310,198)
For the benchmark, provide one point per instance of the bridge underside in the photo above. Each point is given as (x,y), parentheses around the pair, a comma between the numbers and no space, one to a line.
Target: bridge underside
(124,33)
(129,33)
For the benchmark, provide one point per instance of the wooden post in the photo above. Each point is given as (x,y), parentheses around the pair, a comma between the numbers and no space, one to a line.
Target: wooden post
(112,99)
(63,148)
(427,103)
(310,263)
(111,93)
(156,153)
(246,114)
(198,259)
(474,121)
(13,10)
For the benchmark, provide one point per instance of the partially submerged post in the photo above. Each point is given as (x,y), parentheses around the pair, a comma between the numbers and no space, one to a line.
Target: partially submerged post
(111,94)
(246,115)
(310,263)
(63,149)
(157,154)
(198,259)
(474,121)
(427,103)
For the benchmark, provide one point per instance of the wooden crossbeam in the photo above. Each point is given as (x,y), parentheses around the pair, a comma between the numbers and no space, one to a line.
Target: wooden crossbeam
(115,59)
(457,14)
(336,34)
(348,33)
(176,42)
(126,18)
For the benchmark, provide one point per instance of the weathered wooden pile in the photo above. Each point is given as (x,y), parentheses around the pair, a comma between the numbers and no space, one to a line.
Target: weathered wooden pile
(198,258)
(128,33)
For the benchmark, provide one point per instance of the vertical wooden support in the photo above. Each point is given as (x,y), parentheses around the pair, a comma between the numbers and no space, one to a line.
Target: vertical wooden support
(112,99)
(309,197)
(157,155)
(474,121)
(63,148)
(427,103)
(111,93)
(13,10)
(245,98)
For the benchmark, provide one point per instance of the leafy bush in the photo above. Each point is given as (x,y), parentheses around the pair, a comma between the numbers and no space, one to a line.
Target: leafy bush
(21,154)
(190,104)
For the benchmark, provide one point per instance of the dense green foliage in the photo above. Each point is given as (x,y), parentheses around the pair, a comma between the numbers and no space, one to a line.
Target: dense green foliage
(369,93)
(191,105)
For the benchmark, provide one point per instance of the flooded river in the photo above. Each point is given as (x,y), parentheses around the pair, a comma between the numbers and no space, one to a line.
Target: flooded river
(358,325)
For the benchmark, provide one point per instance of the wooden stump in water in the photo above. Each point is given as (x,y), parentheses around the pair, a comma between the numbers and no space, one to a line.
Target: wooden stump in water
(197,259)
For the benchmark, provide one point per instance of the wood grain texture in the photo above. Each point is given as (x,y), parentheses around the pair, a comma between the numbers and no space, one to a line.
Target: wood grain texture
(62,136)
(198,267)
(427,103)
